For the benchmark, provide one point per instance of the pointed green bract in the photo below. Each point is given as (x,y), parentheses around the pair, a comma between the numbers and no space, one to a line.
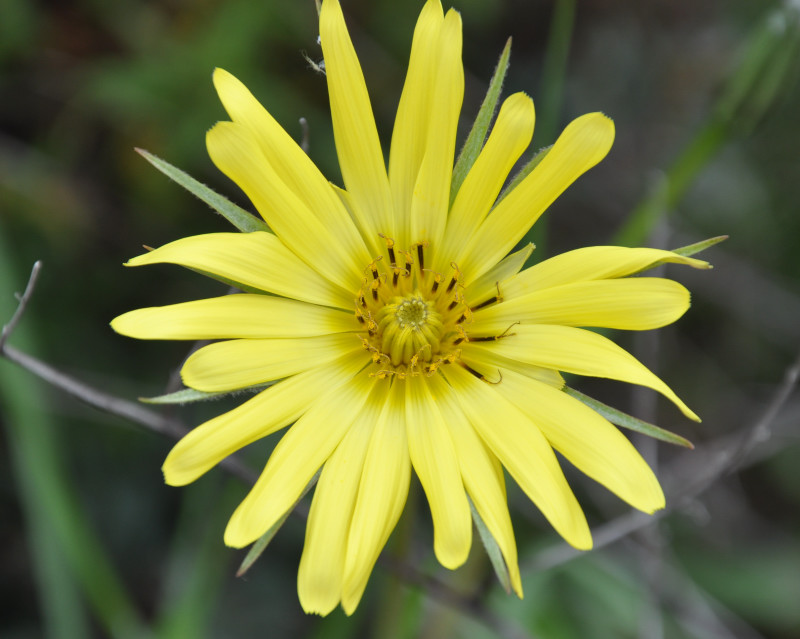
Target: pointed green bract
(697,247)
(472,147)
(236,215)
(525,171)
(190,396)
(627,421)
(492,550)
(261,544)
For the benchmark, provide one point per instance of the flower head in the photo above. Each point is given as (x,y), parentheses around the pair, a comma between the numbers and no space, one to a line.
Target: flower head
(395,331)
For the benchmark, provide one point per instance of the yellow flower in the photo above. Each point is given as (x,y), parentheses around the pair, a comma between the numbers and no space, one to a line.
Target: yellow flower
(395,331)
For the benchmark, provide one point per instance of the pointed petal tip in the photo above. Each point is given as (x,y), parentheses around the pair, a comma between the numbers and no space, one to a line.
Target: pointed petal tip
(224,82)
(121,325)
(453,14)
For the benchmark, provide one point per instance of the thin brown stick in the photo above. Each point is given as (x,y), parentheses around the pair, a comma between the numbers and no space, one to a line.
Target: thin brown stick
(23,304)
(714,462)
(174,429)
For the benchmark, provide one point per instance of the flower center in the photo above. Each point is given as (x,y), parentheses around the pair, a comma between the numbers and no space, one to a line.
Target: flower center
(411,318)
(409,326)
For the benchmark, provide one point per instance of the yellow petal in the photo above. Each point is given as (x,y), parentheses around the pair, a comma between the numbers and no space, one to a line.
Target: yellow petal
(436,464)
(234,151)
(357,143)
(591,263)
(291,163)
(412,122)
(241,363)
(489,284)
(231,316)
(578,351)
(319,578)
(482,476)
(510,136)
(590,442)
(299,454)
(431,197)
(259,260)
(478,356)
(633,304)
(525,453)
(381,497)
(269,411)
(583,144)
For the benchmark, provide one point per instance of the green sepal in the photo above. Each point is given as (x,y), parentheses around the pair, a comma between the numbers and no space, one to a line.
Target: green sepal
(692,249)
(260,546)
(190,395)
(236,215)
(627,421)
(492,550)
(688,251)
(525,171)
(472,147)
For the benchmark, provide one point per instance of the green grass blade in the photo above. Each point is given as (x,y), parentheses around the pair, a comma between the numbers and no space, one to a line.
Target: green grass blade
(197,564)
(241,219)
(554,71)
(65,535)
(759,79)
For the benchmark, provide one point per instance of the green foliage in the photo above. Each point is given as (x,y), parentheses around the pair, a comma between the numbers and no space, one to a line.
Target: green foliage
(705,105)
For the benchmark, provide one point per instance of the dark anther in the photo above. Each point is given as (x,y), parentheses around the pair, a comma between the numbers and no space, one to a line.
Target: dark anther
(481,377)
(488,302)
(420,256)
(492,338)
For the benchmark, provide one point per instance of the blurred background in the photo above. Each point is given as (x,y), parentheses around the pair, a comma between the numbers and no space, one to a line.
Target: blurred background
(705,97)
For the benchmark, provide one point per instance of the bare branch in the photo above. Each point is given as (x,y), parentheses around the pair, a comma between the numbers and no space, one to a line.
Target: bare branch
(23,304)
(713,462)
(123,408)
(174,429)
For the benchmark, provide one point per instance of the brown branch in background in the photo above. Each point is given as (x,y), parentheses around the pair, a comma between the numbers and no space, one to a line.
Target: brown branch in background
(707,465)
(174,429)
(23,304)
(95,398)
